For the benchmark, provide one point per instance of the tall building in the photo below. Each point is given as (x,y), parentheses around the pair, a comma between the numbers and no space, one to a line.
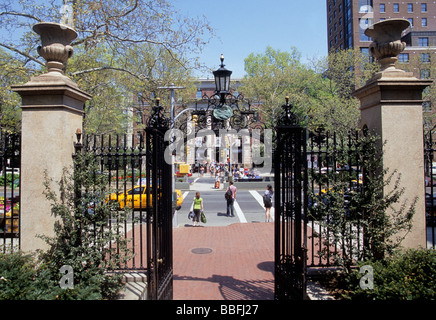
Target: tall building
(347,21)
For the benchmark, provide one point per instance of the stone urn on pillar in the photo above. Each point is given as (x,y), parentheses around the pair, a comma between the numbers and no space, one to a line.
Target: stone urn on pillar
(55,45)
(391,107)
(387,44)
(52,111)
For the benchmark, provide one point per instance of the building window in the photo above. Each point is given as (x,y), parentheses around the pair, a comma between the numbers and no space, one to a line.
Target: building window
(382,8)
(410,7)
(423,42)
(362,35)
(365,6)
(425,74)
(424,22)
(365,51)
(411,21)
(403,57)
(139,117)
(396,7)
(424,57)
(199,94)
(423,7)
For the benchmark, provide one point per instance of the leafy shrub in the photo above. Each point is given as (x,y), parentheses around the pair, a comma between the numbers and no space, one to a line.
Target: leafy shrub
(82,240)
(21,278)
(405,276)
(16,275)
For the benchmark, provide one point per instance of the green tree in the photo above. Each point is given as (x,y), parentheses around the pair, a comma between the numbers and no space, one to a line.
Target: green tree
(116,53)
(320,95)
(10,72)
(270,77)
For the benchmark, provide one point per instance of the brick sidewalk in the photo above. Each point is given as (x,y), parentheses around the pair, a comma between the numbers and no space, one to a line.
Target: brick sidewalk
(234,262)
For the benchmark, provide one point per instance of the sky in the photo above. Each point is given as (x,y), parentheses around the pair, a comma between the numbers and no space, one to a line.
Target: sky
(249,26)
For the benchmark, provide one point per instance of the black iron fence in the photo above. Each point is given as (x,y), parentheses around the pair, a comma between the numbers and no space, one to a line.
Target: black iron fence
(122,167)
(430,186)
(334,228)
(139,189)
(10,150)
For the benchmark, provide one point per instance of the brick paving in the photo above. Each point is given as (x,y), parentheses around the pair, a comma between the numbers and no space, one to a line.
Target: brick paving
(234,262)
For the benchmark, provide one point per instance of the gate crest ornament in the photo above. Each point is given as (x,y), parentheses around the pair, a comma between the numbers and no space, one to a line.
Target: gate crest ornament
(288,117)
(158,118)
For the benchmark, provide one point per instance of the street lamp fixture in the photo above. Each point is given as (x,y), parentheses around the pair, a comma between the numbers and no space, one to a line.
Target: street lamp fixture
(222,80)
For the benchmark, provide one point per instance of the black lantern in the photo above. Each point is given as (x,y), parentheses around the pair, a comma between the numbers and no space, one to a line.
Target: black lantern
(222,79)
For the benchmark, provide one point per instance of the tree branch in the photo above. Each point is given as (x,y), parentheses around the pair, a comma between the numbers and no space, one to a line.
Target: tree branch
(22,53)
(139,76)
(12,13)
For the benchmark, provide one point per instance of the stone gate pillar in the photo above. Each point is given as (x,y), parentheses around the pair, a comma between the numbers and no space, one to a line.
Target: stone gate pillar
(52,110)
(391,105)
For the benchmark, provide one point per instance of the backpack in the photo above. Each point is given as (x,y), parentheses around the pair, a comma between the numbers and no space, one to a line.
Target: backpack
(228,194)
(267,200)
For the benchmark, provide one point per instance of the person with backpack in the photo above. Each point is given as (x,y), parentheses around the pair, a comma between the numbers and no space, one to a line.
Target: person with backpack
(230,196)
(267,202)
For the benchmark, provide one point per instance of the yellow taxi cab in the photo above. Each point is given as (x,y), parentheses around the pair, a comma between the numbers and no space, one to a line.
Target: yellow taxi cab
(9,220)
(136,198)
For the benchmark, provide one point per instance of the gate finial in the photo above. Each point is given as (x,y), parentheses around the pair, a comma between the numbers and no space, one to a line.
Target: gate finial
(288,117)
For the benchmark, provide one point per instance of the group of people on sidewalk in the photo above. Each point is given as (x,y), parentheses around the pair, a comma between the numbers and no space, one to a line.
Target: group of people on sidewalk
(230,196)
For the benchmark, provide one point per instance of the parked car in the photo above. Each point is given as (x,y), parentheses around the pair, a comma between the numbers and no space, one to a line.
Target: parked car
(136,198)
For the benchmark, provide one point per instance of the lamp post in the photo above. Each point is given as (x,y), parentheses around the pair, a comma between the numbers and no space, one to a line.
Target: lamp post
(222,80)
(172,87)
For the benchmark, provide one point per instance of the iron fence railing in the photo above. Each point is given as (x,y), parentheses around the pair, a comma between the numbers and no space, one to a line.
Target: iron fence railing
(10,148)
(335,179)
(122,167)
(430,186)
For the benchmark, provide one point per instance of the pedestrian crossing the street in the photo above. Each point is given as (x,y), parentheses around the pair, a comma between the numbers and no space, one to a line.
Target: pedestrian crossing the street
(248,207)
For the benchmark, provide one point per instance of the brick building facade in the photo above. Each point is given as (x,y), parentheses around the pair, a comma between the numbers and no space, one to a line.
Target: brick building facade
(348,19)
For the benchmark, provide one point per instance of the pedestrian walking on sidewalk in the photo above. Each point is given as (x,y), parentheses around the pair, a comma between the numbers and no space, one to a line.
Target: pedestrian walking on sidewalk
(231,196)
(198,208)
(267,202)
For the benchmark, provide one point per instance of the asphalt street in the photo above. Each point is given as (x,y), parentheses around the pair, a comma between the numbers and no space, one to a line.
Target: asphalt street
(248,205)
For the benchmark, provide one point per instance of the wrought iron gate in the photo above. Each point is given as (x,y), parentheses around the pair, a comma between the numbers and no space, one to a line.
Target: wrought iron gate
(140,181)
(290,208)
(160,242)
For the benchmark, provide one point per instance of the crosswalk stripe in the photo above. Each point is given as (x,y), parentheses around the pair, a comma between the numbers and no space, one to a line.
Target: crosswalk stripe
(239,212)
(259,199)
(184,198)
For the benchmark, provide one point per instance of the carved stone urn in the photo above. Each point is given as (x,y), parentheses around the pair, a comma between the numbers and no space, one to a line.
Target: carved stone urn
(387,44)
(55,44)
